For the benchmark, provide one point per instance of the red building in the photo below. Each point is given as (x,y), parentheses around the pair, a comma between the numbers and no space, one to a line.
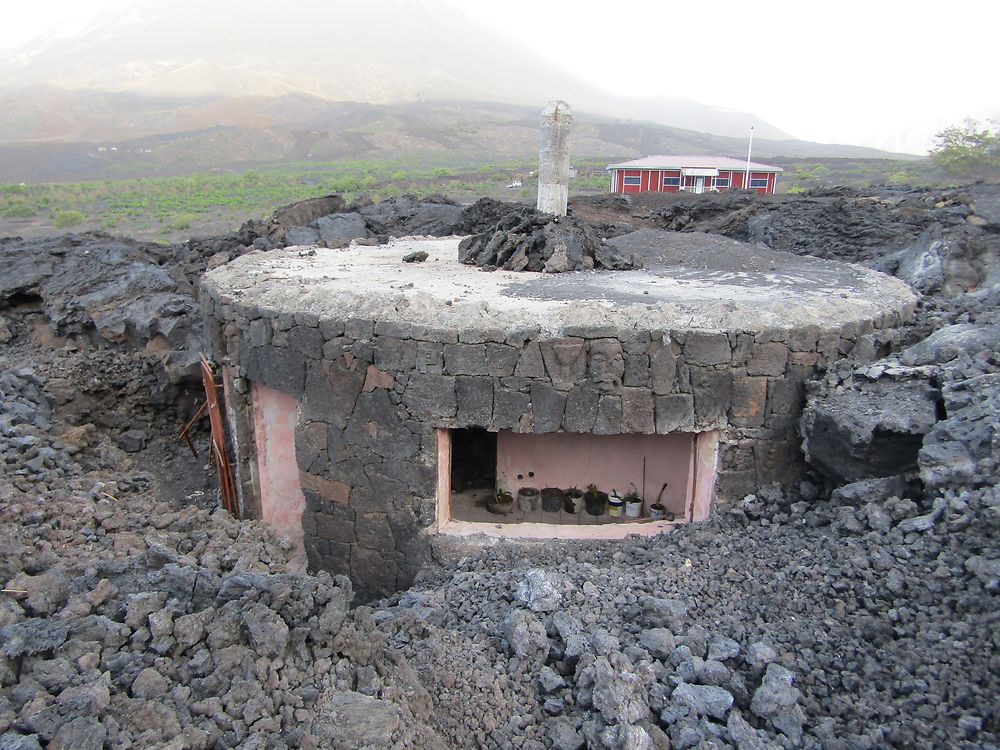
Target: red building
(696,174)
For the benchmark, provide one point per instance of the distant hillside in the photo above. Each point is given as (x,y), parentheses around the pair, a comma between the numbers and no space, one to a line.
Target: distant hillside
(376,51)
(235,134)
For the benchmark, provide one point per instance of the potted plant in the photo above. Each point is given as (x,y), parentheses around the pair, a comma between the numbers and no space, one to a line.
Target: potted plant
(527,499)
(658,511)
(574,500)
(502,503)
(615,503)
(595,500)
(553,499)
(633,504)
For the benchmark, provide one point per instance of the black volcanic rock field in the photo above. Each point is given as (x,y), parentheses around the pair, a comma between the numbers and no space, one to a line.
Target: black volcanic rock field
(856,610)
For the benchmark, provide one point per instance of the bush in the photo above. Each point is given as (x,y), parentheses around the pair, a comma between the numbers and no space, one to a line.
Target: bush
(17,209)
(67,219)
(966,149)
(181,221)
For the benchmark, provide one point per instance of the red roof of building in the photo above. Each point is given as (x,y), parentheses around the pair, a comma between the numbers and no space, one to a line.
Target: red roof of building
(689,161)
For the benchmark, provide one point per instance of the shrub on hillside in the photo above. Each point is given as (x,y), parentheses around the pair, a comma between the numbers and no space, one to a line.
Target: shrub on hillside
(67,219)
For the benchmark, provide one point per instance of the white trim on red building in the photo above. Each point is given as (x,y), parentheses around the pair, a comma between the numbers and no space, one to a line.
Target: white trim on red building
(698,174)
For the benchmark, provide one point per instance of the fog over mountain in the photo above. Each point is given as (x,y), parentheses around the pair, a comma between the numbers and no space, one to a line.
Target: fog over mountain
(377,51)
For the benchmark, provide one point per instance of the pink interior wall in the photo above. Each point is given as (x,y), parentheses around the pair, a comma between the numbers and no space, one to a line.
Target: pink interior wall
(281,499)
(610,461)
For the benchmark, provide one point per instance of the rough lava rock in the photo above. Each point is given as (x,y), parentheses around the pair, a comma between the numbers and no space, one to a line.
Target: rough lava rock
(873,429)
(528,240)
(964,448)
(526,635)
(935,262)
(150,619)
(777,701)
(539,591)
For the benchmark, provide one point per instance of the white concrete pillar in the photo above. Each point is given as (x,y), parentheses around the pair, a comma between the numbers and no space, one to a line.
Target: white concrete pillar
(553,158)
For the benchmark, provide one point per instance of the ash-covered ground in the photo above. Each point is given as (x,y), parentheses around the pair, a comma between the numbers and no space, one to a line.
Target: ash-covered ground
(857,610)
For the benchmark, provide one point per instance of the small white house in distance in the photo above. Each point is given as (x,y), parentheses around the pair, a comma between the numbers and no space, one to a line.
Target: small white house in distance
(696,174)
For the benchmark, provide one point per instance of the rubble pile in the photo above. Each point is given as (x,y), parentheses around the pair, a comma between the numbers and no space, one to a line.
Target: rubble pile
(857,610)
(128,620)
(331,222)
(783,623)
(511,236)
(529,240)
(98,293)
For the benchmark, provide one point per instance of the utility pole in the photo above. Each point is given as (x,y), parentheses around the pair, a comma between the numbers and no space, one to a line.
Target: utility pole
(746,182)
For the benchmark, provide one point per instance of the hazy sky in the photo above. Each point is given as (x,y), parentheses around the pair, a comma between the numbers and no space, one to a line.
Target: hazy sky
(886,73)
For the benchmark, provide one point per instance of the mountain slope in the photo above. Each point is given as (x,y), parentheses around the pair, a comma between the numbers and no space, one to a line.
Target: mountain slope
(244,132)
(377,52)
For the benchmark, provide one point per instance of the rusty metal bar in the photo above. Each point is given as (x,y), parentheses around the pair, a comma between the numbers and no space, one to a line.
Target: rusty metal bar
(212,402)
(190,423)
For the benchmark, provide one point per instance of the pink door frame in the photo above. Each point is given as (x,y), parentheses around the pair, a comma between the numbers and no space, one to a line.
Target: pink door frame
(281,500)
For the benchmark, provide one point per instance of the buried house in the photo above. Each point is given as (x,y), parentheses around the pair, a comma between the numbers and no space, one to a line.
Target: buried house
(376,404)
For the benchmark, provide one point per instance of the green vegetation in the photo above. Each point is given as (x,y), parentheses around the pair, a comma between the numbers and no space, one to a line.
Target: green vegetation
(587,183)
(182,220)
(67,219)
(17,208)
(172,208)
(14,202)
(967,149)
(805,172)
(801,175)
(175,208)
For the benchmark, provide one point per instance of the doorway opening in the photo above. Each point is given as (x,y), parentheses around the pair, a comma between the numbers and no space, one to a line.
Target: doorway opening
(473,460)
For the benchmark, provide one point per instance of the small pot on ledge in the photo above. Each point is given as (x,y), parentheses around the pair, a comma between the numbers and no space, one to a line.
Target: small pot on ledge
(615,504)
(501,504)
(553,499)
(659,512)
(574,500)
(527,499)
(633,505)
(595,500)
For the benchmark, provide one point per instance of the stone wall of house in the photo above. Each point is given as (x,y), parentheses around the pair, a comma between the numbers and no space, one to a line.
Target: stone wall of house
(372,393)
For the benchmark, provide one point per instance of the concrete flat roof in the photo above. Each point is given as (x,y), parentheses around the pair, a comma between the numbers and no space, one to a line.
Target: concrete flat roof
(691,282)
